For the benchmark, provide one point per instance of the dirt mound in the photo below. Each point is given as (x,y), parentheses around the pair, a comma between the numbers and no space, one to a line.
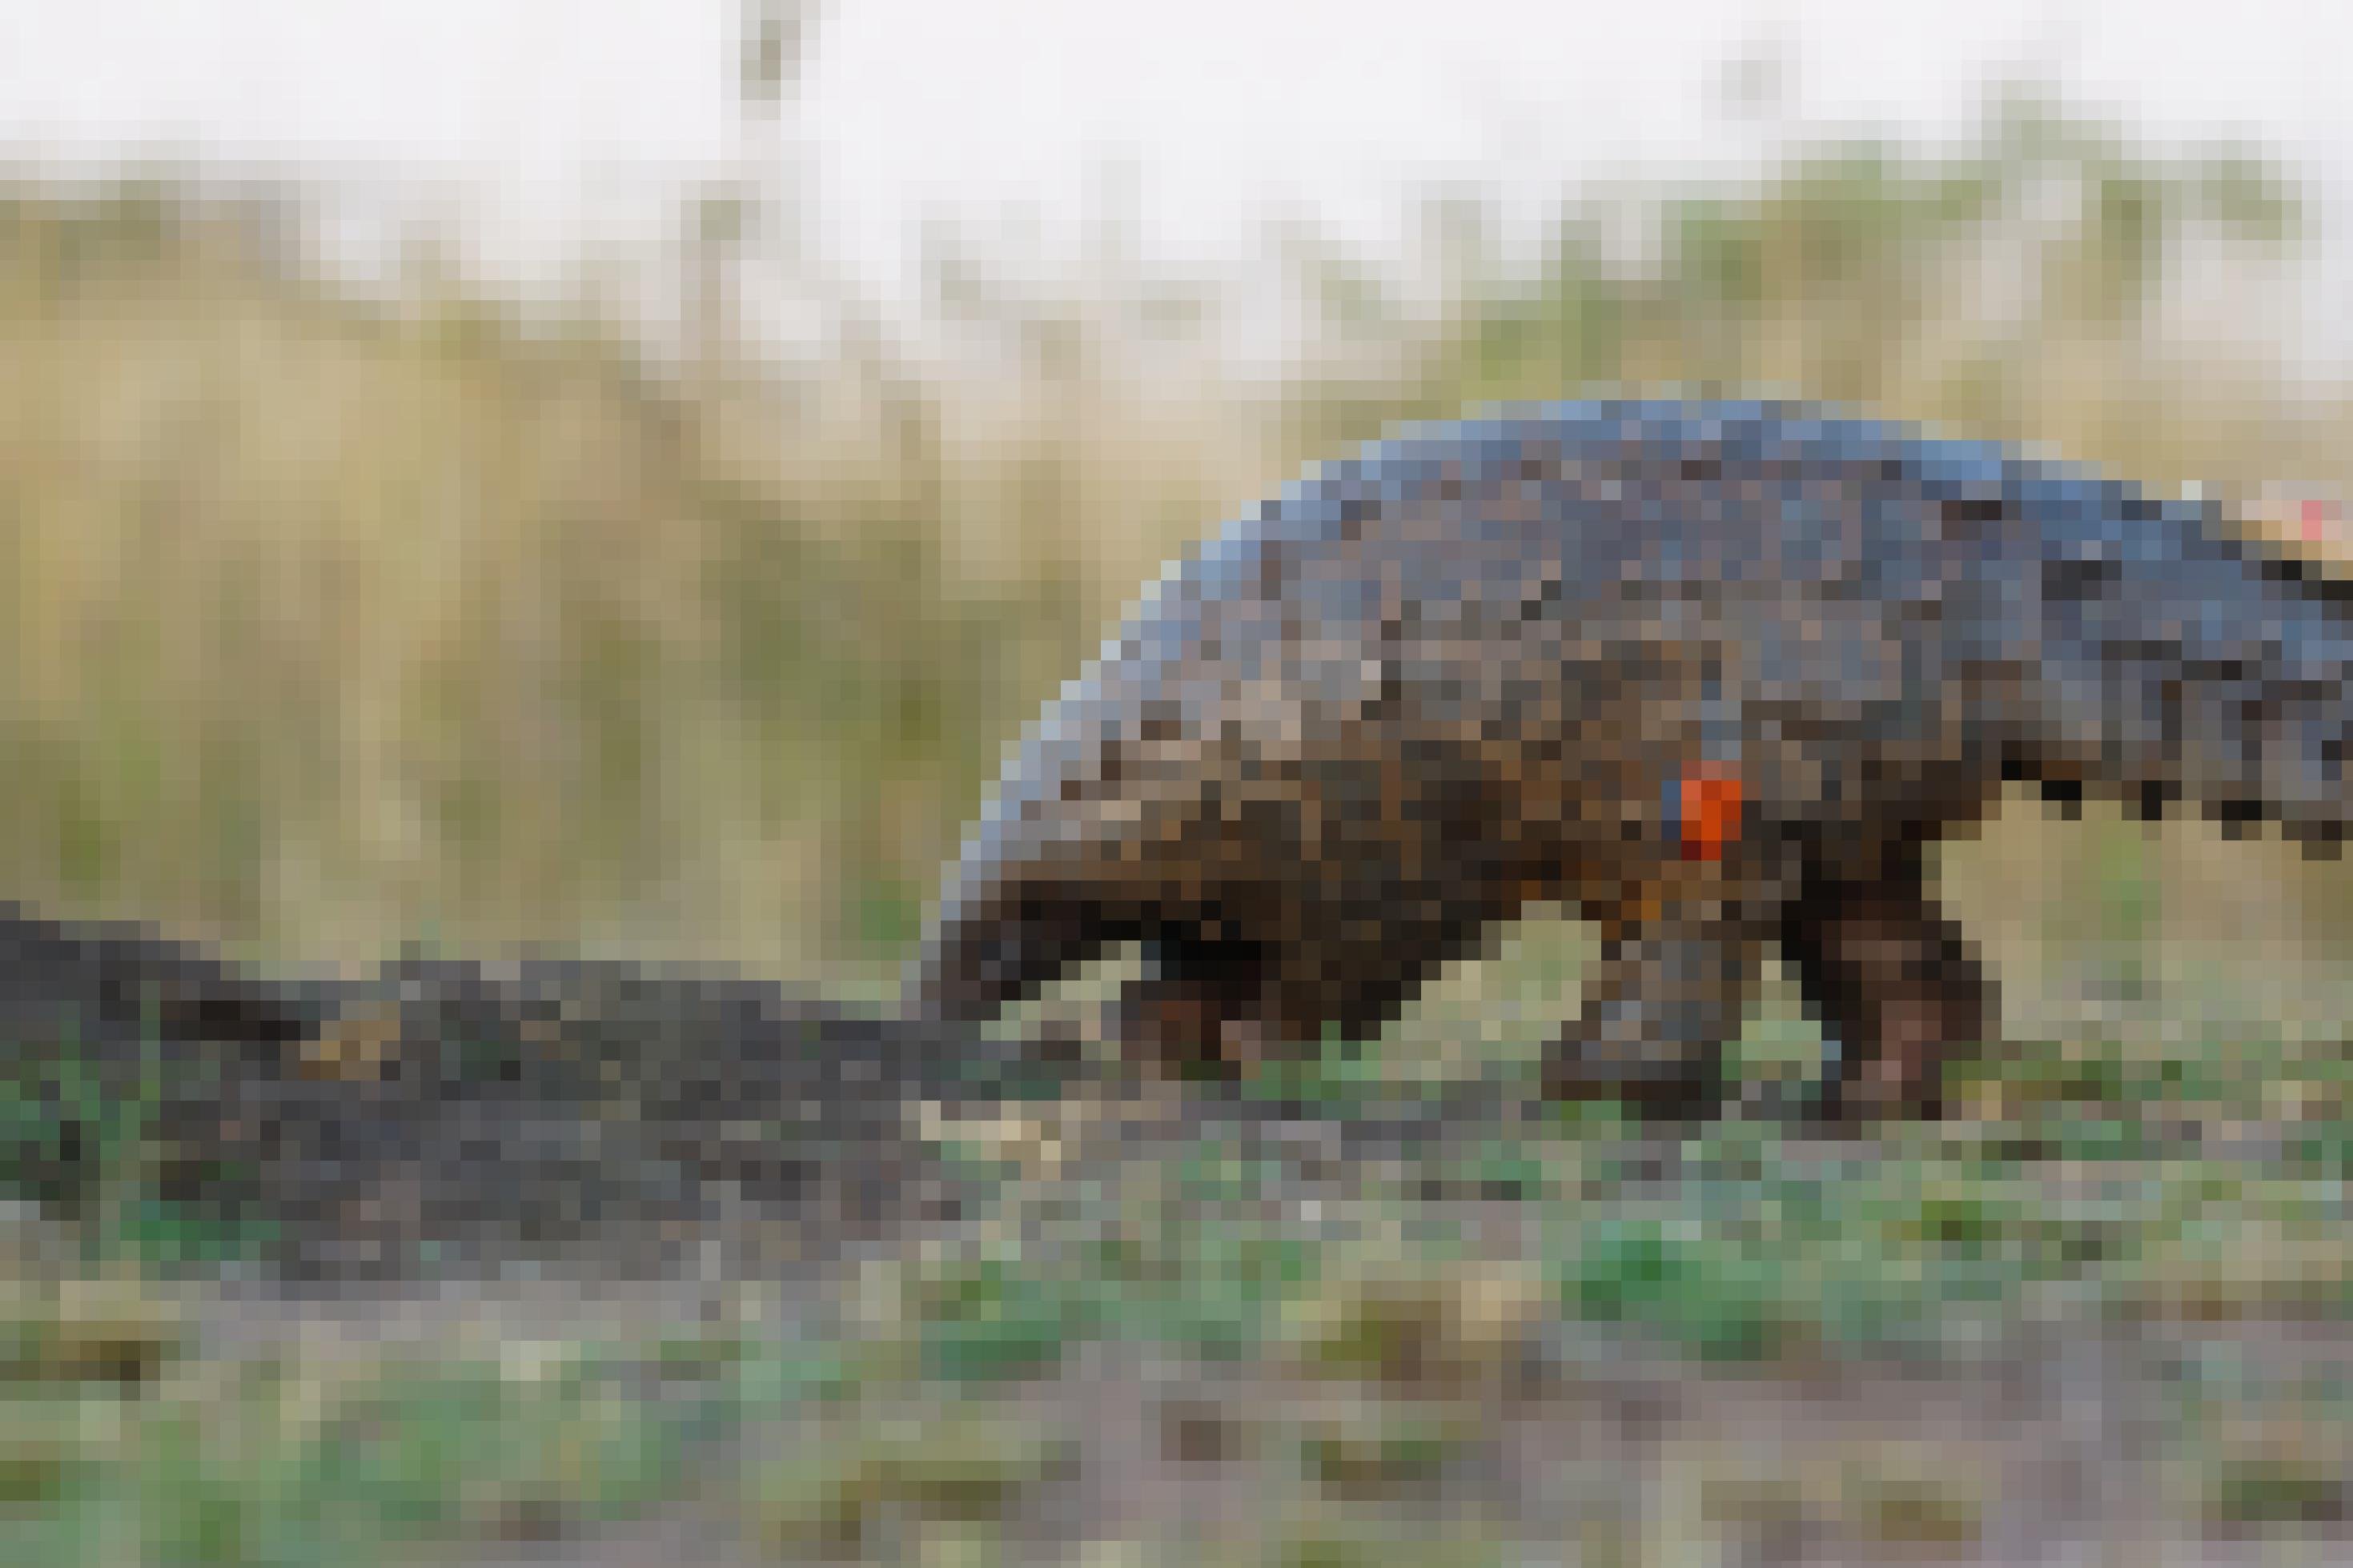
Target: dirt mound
(441,1112)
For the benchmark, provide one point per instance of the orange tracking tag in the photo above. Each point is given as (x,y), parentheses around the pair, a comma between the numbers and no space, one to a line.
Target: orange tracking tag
(1709,804)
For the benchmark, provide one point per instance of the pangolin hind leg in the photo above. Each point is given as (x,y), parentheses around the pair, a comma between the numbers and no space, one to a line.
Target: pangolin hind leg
(1897,986)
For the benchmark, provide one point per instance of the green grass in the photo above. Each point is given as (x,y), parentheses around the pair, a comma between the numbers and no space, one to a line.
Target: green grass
(303,1460)
(1760,1250)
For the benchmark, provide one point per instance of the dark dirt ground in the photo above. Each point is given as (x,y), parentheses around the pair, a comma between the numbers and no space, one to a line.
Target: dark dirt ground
(651,1141)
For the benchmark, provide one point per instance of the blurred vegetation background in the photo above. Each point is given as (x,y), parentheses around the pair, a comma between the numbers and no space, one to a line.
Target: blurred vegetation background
(349,612)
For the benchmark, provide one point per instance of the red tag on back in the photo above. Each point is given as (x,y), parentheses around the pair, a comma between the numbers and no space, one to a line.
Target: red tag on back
(1710,801)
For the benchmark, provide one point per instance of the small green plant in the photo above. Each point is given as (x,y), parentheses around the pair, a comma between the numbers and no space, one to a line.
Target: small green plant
(895,1472)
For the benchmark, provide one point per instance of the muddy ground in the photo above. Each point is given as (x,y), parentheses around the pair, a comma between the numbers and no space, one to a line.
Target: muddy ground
(448,1152)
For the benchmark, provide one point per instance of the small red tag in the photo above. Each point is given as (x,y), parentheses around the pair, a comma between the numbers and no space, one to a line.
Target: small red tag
(1710,816)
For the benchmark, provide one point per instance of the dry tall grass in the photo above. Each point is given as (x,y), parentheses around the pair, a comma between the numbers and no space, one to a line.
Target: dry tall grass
(334,624)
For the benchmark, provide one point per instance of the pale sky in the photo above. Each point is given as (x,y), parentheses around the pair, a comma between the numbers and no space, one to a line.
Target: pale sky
(1227,109)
